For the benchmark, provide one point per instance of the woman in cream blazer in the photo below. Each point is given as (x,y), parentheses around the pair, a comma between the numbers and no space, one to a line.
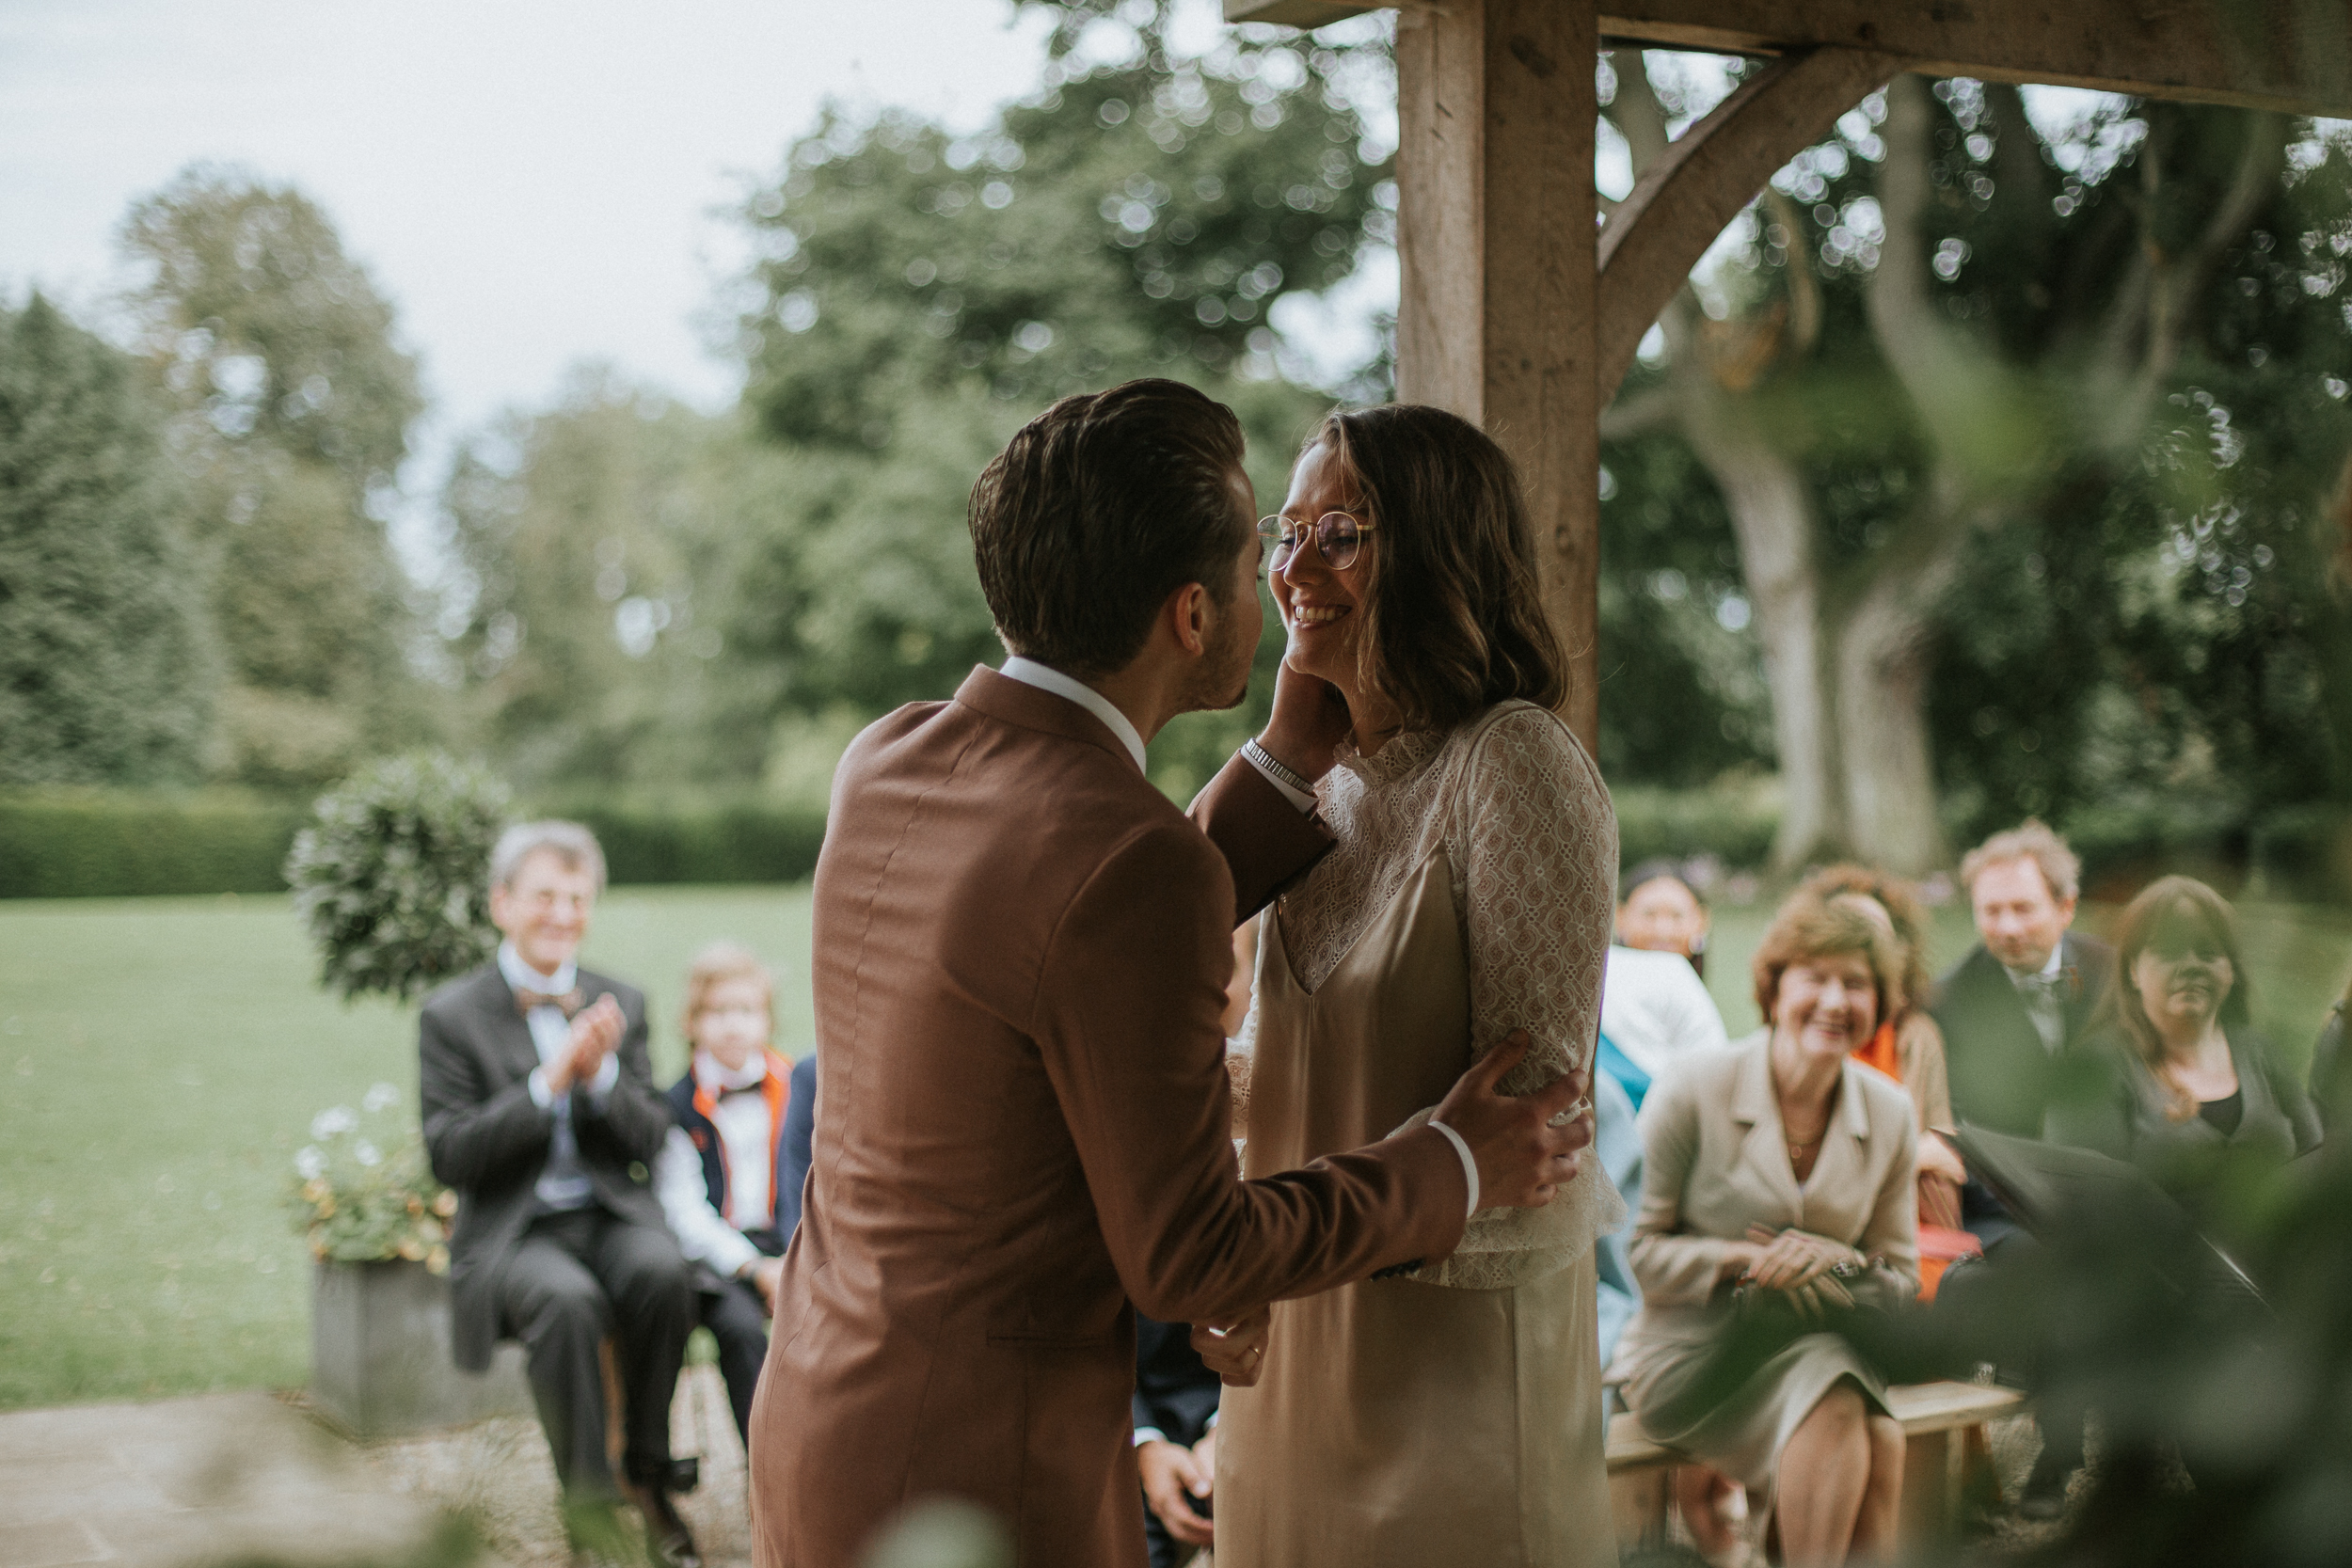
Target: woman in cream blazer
(1782,1164)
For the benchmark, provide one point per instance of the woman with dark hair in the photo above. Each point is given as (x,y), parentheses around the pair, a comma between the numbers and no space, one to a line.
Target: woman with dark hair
(1776,1189)
(1907,1045)
(2184,1081)
(1452,1414)
(1662,912)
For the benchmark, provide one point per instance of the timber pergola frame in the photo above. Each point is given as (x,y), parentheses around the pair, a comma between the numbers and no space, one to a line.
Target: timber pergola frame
(1514,317)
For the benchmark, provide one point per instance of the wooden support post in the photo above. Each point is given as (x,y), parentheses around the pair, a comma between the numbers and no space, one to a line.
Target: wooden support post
(1496,109)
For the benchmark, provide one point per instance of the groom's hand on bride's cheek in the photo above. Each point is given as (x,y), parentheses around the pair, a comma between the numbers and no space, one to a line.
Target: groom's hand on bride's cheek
(1236,1353)
(1308,722)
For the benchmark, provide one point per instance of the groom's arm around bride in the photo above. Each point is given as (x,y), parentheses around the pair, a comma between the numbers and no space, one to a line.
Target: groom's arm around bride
(1020,956)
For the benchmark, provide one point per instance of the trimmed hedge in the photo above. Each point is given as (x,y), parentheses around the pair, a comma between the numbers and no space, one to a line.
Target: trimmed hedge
(110,844)
(105,844)
(119,844)
(744,842)
(1661,824)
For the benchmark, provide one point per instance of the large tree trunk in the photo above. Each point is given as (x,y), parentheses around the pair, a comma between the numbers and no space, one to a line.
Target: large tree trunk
(1773,518)
(1887,769)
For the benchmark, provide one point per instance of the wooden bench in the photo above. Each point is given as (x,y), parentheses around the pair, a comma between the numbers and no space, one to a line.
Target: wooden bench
(1936,1418)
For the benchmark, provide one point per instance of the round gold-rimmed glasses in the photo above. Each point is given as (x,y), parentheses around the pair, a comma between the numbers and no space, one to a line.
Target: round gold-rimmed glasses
(1337,538)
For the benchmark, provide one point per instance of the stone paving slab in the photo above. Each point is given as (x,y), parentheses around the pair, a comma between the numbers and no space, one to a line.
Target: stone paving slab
(226,1478)
(498,1474)
(179,1483)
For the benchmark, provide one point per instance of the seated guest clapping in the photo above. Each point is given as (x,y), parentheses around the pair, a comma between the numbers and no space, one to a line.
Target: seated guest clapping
(540,1112)
(1777,1190)
(2184,1083)
(730,1176)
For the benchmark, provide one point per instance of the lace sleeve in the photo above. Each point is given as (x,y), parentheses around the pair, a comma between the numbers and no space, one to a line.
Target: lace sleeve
(1535,842)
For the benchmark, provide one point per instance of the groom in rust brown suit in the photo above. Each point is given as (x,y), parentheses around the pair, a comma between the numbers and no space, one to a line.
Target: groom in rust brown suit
(1020,953)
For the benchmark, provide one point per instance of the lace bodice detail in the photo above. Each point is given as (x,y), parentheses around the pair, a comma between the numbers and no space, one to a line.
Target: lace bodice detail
(1531,840)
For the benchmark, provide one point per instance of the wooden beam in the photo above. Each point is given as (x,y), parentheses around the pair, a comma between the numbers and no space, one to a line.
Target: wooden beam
(2294,55)
(1706,175)
(1496,108)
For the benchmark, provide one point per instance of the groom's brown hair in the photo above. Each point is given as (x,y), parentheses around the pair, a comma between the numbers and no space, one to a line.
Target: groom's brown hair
(1100,508)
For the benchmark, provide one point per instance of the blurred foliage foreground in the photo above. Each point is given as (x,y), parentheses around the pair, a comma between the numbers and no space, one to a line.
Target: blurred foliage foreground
(2224,1429)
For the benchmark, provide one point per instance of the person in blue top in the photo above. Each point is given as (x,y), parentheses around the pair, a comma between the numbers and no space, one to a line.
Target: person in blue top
(730,1174)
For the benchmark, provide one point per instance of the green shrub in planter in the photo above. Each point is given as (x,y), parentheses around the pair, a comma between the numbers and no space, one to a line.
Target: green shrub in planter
(392,878)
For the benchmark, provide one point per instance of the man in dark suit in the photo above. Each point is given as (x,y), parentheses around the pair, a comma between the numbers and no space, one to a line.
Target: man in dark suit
(2011,1011)
(541,1112)
(1175,1415)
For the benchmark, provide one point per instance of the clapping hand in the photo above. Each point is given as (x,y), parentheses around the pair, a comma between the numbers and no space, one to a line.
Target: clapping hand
(596,1035)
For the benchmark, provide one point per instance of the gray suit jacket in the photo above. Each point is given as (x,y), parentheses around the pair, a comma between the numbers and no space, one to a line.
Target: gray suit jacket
(488,1139)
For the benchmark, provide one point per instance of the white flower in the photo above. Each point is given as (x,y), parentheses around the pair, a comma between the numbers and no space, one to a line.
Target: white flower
(339,1118)
(382,1097)
(311,1161)
(365,1152)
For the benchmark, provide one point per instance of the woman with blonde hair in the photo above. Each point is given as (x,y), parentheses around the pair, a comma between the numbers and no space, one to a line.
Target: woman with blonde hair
(1451,1414)
(1778,1193)
(2188,1082)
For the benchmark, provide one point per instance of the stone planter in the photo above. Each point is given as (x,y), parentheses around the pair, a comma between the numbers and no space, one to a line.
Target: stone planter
(379,1354)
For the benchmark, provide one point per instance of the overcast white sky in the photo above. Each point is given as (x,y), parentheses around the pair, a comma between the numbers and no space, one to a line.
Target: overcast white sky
(533,182)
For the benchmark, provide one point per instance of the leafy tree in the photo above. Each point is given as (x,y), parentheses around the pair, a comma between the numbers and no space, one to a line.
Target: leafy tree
(1952,353)
(106,665)
(922,294)
(1134,220)
(294,405)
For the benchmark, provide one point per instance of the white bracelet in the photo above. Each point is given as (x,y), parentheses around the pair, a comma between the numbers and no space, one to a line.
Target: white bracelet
(1265,759)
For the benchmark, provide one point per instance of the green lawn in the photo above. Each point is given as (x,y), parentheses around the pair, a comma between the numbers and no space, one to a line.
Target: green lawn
(160,1062)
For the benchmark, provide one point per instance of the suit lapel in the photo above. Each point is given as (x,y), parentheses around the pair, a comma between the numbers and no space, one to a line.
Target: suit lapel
(1997,995)
(503,1025)
(1841,1168)
(1765,1149)
(2084,994)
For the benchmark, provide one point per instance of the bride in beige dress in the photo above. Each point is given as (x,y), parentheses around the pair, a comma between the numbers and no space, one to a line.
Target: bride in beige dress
(1452,1414)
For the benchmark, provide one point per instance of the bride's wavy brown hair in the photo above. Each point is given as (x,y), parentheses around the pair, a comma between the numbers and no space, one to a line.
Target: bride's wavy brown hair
(1454,619)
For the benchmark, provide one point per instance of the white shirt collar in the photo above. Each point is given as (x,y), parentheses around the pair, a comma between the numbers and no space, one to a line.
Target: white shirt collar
(521,977)
(2049,971)
(1028,672)
(716,1076)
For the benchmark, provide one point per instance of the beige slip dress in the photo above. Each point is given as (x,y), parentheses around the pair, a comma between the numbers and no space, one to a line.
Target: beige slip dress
(1398,1423)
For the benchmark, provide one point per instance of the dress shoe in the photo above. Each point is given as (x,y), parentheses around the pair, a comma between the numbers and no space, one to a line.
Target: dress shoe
(668,1542)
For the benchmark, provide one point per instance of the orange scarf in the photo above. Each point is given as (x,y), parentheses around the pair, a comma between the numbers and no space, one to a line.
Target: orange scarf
(1880,1052)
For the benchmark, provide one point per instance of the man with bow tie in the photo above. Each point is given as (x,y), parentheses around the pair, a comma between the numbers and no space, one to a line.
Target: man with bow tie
(540,1111)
